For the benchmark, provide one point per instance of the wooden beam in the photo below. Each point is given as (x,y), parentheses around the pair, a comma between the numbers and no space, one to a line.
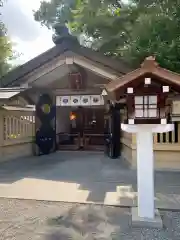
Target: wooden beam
(97,69)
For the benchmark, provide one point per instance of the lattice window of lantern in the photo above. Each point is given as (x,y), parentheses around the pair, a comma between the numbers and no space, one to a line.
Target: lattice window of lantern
(146,107)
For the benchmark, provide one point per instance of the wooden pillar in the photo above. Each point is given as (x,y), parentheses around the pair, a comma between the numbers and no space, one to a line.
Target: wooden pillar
(133,137)
(178,132)
(155,138)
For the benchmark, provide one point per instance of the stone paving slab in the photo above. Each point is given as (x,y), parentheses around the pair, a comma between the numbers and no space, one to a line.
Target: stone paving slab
(84,177)
(47,190)
(60,191)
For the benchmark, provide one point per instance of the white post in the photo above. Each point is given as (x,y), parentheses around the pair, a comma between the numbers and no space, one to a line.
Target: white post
(145,173)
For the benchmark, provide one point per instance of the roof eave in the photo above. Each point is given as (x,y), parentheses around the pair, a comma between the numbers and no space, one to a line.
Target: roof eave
(19,73)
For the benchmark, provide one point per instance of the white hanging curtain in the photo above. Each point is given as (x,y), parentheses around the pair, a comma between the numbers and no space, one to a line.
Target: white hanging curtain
(85,100)
(75,100)
(58,101)
(95,100)
(65,101)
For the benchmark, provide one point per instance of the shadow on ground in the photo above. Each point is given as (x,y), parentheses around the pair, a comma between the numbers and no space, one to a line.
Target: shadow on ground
(27,219)
(105,223)
(88,222)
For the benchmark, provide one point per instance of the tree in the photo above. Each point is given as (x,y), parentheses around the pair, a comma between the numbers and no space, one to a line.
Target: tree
(156,32)
(92,19)
(6,52)
(133,30)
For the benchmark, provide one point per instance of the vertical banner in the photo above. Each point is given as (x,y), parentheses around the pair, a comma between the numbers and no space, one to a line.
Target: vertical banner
(45,122)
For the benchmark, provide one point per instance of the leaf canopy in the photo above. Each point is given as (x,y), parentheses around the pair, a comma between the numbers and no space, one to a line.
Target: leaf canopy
(129,29)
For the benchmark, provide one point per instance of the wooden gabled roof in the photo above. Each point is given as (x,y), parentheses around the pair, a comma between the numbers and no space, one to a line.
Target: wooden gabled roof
(149,66)
(14,76)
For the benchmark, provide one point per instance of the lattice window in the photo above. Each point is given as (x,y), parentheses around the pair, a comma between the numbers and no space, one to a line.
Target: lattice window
(146,107)
(76,81)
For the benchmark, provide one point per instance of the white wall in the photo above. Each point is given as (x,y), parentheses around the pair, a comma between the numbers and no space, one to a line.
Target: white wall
(62,119)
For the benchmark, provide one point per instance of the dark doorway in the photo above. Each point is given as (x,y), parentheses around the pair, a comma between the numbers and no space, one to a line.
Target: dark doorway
(86,130)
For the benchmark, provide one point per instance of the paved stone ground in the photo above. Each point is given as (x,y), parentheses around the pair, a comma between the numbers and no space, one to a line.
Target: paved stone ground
(92,173)
(37,220)
(84,168)
(86,177)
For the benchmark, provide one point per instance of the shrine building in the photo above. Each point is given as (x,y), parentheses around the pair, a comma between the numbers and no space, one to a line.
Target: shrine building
(68,99)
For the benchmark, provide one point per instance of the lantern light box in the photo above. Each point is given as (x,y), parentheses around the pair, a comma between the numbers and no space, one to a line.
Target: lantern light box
(146,93)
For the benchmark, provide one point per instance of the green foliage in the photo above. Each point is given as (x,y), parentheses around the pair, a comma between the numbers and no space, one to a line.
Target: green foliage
(6,52)
(55,11)
(131,30)
(156,32)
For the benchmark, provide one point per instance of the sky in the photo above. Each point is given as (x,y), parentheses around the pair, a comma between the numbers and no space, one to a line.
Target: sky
(28,36)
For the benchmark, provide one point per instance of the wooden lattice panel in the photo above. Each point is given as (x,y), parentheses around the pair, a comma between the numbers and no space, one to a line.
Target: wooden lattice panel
(18,127)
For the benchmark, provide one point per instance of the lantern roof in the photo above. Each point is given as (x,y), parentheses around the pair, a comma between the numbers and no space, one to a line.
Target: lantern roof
(148,68)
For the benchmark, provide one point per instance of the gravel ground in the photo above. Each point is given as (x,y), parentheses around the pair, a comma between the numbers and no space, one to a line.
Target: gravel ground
(25,220)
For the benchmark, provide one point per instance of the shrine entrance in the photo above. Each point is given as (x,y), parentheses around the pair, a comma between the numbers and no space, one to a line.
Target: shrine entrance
(86,130)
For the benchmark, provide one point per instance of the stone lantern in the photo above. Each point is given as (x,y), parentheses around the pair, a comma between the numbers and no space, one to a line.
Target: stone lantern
(147,93)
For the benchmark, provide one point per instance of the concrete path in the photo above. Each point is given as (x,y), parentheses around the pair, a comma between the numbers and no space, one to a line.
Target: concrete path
(82,177)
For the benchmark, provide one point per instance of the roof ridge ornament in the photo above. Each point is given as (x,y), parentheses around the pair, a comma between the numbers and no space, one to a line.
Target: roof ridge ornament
(149,62)
(62,34)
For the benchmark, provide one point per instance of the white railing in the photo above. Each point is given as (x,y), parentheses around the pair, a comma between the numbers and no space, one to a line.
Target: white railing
(18,127)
